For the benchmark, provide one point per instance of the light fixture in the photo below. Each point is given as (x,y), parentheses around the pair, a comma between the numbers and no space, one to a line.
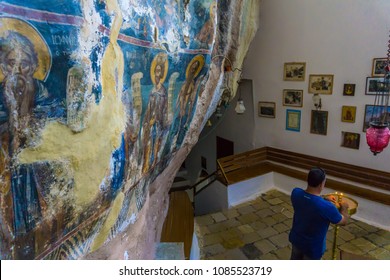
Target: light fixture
(317,101)
(378,133)
(240,108)
(218,112)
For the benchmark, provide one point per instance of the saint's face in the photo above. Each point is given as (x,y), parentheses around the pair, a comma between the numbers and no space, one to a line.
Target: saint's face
(158,73)
(17,62)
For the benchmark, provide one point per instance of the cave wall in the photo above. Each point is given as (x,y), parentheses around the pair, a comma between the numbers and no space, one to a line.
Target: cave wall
(100,103)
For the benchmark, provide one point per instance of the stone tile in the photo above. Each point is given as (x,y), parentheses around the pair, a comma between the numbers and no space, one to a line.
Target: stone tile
(258,225)
(280,240)
(355,230)
(245,210)
(363,244)
(345,235)
(384,234)
(279,217)
(248,218)
(217,227)
(201,230)
(231,234)
(349,247)
(258,205)
(387,247)
(380,254)
(231,213)
(251,237)
(213,250)
(218,217)
(267,232)
(270,221)
(277,208)
(288,223)
(265,213)
(245,228)
(284,253)
(265,246)
(366,227)
(235,254)
(210,239)
(289,214)
(378,240)
(250,251)
(275,201)
(204,220)
(268,256)
(281,227)
(232,243)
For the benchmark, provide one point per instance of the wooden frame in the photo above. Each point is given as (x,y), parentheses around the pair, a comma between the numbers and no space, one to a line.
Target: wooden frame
(378,67)
(319,122)
(370,115)
(348,114)
(375,85)
(349,89)
(266,109)
(294,71)
(293,120)
(321,83)
(293,97)
(350,140)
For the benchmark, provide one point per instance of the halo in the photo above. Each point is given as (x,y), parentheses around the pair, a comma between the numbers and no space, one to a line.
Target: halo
(31,33)
(160,56)
(200,59)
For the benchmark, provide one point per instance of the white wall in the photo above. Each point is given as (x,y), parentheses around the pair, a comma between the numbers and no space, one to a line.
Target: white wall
(339,37)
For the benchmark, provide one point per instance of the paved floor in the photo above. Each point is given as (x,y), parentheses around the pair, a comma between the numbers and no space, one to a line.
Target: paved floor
(259,230)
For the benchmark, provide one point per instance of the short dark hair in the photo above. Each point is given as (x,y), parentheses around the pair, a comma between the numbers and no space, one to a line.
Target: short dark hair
(316,176)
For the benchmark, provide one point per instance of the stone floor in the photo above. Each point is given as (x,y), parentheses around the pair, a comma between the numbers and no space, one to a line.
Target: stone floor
(259,230)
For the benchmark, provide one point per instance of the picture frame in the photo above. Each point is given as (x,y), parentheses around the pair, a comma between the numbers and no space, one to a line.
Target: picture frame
(371,114)
(375,85)
(294,71)
(348,114)
(378,67)
(293,120)
(321,83)
(350,140)
(266,109)
(293,97)
(349,89)
(319,122)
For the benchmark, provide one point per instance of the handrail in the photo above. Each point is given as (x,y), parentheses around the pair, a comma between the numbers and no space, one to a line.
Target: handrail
(184,188)
(223,172)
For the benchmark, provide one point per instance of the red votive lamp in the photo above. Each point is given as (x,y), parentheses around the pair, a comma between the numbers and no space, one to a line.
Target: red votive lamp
(377,137)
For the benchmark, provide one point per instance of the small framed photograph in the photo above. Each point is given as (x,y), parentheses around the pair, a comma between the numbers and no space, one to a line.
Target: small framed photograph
(319,122)
(375,85)
(292,97)
(373,113)
(267,109)
(293,120)
(349,89)
(322,84)
(350,140)
(348,114)
(379,67)
(294,71)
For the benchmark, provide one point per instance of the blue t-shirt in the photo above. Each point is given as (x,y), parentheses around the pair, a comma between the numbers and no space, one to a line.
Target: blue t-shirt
(312,215)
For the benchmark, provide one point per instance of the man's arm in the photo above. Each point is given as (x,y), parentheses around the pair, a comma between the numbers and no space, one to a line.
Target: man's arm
(344,213)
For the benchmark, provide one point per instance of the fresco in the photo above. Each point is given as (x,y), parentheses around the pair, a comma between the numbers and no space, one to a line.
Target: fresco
(95,98)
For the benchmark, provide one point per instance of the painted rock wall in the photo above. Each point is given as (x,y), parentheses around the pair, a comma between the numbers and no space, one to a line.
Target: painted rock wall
(100,102)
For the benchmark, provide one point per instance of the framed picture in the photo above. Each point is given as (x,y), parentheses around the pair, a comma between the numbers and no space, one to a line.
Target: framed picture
(350,140)
(349,89)
(322,84)
(371,114)
(293,120)
(294,71)
(374,85)
(348,114)
(319,122)
(378,67)
(267,109)
(292,97)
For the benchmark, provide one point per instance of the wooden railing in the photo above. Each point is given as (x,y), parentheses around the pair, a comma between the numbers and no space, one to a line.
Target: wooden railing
(236,168)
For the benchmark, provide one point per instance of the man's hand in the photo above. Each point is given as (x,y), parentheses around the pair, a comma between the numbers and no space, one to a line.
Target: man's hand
(331,198)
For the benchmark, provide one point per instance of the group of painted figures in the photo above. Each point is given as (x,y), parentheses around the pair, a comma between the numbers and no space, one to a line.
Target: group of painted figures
(28,221)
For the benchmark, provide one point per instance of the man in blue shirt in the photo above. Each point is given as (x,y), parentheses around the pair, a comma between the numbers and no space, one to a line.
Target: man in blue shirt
(312,216)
